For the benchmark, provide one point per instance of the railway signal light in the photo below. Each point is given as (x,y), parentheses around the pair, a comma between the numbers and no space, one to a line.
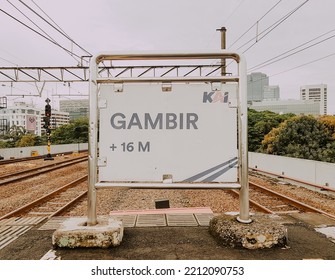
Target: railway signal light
(47,108)
(47,127)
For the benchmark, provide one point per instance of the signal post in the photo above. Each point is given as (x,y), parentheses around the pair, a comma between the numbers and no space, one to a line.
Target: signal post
(47,127)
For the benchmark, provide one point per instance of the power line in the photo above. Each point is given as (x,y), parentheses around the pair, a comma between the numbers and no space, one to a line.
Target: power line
(61,31)
(304,64)
(9,15)
(234,11)
(36,25)
(274,6)
(279,58)
(8,61)
(272,27)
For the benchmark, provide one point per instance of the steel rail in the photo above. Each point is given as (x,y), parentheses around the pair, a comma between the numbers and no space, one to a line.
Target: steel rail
(44,198)
(68,205)
(9,161)
(29,175)
(293,179)
(255,204)
(292,201)
(38,168)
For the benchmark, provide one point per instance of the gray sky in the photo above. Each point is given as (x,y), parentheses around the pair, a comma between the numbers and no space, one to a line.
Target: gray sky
(123,25)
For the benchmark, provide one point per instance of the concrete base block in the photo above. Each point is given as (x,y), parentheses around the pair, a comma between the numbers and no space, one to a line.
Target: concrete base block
(74,233)
(265,231)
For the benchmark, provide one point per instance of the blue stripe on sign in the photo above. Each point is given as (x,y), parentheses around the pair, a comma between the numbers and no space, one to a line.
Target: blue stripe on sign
(208,171)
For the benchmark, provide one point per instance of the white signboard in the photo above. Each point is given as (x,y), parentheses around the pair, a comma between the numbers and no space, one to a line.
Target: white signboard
(187,134)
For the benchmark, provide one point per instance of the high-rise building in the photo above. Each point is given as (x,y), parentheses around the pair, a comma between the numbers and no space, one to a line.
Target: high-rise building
(271,93)
(317,93)
(255,86)
(76,108)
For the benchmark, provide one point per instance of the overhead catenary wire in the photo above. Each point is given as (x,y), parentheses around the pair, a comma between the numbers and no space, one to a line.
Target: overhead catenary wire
(47,36)
(22,13)
(40,34)
(241,36)
(304,64)
(296,67)
(271,27)
(57,28)
(281,56)
(6,60)
(234,11)
(215,62)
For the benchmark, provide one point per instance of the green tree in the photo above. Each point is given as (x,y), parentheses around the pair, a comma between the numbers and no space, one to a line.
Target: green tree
(15,132)
(4,144)
(74,132)
(29,140)
(260,124)
(305,137)
(13,135)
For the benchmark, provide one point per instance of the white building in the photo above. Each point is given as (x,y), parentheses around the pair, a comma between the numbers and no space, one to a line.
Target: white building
(316,93)
(30,118)
(22,115)
(271,93)
(306,107)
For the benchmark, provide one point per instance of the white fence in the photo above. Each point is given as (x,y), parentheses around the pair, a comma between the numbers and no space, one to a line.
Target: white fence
(41,150)
(316,172)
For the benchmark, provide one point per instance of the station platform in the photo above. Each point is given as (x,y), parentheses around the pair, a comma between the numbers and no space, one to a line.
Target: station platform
(171,234)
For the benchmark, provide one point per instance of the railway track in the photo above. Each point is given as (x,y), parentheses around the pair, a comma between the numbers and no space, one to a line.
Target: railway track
(293,180)
(15,160)
(271,202)
(53,203)
(261,198)
(29,173)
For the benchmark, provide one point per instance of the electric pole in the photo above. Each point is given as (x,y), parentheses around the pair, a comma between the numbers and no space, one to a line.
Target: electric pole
(223,47)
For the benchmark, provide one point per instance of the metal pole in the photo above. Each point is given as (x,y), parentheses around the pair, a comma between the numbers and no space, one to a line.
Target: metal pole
(223,47)
(92,146)
(243,143)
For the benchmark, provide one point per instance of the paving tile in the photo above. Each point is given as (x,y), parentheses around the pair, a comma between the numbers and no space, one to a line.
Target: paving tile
(51,255)
(328,231)
(53,223)
(181,220)
(5,221)
(24,221)
(9,233)
(314,219)
(151,220)
(203,219)
(5,240)
(128,220)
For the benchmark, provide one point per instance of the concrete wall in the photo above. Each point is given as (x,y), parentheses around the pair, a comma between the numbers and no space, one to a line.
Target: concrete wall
(41,150)
(316,172)
(320,173)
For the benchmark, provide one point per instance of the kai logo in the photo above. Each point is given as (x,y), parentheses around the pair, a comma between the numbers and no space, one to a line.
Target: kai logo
(215,96)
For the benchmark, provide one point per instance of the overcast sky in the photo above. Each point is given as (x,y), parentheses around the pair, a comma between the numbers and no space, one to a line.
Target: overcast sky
(123,25)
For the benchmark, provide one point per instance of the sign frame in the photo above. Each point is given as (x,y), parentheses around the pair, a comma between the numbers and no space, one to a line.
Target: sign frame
(94,86)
